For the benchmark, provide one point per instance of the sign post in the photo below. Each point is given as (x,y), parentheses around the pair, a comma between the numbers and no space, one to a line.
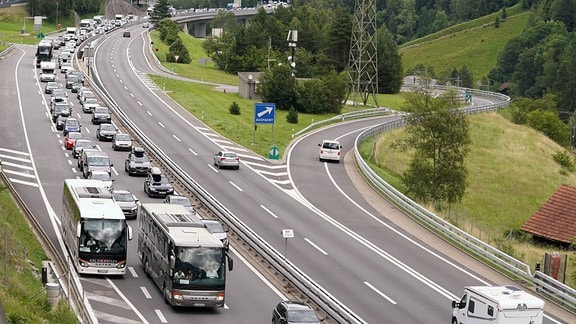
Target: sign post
(264,113)
(287,233)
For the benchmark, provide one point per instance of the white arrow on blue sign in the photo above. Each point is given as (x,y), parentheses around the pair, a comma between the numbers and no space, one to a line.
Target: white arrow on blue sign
(264,113)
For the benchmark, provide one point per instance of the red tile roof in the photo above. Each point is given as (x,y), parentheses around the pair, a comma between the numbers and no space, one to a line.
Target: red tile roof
(556,220)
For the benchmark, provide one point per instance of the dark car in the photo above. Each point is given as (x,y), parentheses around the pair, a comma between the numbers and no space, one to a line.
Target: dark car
(71,125)
(137,163)
(287,312)
(127,202)
(106,132)
(157,184)
(76,86)
(61,120)
(101,115)
(126,34)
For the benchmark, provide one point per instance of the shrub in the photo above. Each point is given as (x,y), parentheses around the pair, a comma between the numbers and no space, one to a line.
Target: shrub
(234,109)
(565,161)
(292,116)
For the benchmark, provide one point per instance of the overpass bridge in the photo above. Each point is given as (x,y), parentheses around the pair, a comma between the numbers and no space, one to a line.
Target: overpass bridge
(195,22)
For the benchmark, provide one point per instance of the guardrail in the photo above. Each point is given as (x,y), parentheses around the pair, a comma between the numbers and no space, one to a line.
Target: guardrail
(554,290)
(7,51)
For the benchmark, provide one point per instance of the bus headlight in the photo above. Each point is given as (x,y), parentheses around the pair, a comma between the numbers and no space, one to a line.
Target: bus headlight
(177,296)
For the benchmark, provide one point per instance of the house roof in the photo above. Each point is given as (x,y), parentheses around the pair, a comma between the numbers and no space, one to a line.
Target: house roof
(556,219)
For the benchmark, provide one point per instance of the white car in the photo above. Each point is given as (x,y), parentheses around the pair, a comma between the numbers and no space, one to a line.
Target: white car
(102,176)
(329,151)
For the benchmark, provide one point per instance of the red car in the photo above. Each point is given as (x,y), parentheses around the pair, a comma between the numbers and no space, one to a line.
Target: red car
(70,139)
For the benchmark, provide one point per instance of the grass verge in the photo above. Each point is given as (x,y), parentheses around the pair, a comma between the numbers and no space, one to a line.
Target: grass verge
(21,255)
(505,159)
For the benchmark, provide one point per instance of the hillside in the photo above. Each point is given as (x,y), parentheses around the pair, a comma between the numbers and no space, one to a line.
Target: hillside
(477,47)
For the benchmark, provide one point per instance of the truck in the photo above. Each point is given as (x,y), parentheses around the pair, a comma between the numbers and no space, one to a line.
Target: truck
(47,69)
(497,305)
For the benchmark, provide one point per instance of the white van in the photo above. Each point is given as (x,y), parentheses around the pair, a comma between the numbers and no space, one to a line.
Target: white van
(329,151)
(497,305)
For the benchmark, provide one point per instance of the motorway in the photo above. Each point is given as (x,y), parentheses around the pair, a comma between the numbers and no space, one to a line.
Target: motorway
(357,246)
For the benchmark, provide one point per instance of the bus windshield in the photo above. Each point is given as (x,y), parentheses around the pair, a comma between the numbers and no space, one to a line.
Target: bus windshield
(199,267)
(103,236)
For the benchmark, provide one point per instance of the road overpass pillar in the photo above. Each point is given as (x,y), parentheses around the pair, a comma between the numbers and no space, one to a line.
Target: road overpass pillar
(200,30)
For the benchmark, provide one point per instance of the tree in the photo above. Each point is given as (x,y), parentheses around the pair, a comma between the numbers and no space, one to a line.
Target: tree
(160,11)
(177,49)
(390,71)
(439,135)
(339,35)
(277,85)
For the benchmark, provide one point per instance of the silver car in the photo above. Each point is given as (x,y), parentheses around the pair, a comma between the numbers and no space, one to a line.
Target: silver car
(216,228)
(127,202)
(227,159)
(122,142)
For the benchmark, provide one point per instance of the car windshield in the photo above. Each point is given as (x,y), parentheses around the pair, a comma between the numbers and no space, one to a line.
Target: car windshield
(123,196)
(61,107)
(332,146)
(302,316)
(98,161)
(214,227)
(74,135)
(83,143)
(141,159)
(101,110)
(122,137)
(180,201)
(107,128)
(229,155)
(104,176)
(160,179)
(91,101)
(72,123)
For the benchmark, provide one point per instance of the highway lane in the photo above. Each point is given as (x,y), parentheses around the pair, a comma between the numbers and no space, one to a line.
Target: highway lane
(54,164)
(433,278)
(339,263)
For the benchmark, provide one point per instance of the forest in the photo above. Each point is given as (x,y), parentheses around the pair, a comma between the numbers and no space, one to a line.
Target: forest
(538,64)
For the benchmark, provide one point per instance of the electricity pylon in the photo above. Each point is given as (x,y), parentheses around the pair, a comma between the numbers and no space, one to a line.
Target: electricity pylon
(363,64)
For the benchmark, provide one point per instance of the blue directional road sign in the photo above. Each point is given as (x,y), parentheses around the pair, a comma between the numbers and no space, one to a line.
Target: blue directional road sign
(264,113)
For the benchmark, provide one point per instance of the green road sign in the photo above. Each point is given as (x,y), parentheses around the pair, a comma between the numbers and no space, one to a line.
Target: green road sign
(274,153)
(41,35)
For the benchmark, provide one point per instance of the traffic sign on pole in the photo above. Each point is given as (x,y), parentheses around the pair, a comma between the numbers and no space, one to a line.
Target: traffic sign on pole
(264,113)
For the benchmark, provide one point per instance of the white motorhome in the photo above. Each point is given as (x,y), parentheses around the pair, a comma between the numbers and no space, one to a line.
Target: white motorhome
(47,71)
(497,305)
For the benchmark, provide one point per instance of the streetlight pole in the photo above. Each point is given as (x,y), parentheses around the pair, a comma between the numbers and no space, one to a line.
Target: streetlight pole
(292,40)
